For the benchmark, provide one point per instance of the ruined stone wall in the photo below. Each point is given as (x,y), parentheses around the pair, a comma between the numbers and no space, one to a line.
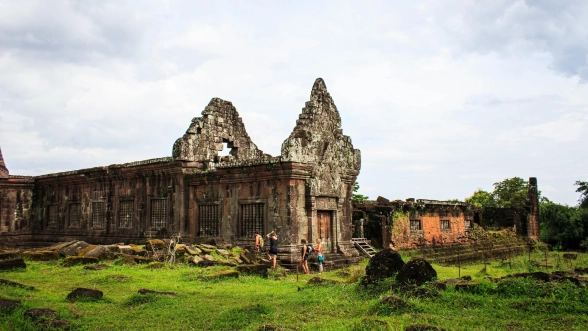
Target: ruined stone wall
(533,209)
(15,204)
(439,222)
(109,204)
(278,190)
(220,123)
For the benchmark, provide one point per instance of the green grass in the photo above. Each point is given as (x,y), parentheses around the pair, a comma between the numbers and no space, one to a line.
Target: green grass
(250,302)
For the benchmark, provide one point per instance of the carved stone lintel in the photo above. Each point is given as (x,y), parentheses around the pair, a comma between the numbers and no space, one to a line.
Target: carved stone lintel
(325,203)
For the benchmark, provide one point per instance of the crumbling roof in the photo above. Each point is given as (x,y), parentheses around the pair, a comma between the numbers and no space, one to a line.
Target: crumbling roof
(3,170)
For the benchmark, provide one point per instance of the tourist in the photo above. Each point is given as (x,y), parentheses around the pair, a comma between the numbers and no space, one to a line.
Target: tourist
(258,241)
(321,257)
(305,254)
(273,251)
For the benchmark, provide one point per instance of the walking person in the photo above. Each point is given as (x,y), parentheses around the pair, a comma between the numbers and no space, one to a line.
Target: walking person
(258,241)
(306,250)
(273,251)
(321,257)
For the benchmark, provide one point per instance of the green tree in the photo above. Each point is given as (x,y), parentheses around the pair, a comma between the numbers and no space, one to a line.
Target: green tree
(510,192)
(583,189)
(481,199)
(356,196)
(563,226)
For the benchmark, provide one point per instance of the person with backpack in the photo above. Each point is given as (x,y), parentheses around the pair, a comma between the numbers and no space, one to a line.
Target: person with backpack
(321,258)
(306,251)
(258,241)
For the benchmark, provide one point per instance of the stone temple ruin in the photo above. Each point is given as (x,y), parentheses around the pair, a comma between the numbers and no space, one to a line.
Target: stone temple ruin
(303,193)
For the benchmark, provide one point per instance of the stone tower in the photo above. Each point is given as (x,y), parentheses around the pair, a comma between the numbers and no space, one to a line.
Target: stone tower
(3,169)
(533,207)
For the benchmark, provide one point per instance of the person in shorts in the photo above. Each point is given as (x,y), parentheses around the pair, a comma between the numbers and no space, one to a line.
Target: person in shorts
(273,251)
(305,256)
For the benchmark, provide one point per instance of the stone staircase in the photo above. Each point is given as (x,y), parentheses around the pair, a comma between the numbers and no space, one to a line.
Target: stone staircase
(363,246)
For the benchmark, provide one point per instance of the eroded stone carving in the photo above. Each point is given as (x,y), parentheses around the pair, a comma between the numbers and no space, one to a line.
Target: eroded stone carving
(318,139)
(220,123)
(3,170)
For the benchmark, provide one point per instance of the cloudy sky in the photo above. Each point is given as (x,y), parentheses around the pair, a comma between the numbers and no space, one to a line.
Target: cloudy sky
(441,97)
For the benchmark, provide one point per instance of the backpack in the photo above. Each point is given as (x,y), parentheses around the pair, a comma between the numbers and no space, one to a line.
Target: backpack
(309,250)
(261,241)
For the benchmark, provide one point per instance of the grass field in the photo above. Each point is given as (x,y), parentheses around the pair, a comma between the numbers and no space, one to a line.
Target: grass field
(250,302)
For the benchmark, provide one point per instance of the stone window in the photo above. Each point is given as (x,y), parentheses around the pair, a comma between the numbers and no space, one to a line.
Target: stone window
(98,214)
(158,213)
(252,219)
(74,215)
(416,225)
(126,213)
(52,216)
(445,225)
(467,224)
(208,220)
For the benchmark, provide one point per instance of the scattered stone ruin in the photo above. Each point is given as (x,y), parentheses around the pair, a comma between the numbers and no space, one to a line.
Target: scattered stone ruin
(415,223)
(303,193)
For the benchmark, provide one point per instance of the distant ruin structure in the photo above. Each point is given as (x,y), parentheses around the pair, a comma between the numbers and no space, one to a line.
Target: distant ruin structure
(303,193)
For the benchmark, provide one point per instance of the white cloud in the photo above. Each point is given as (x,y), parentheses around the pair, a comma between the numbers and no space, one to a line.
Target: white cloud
(442,97)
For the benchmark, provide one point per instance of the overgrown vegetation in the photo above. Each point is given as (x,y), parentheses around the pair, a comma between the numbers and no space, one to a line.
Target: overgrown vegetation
(356,196)
(289,303)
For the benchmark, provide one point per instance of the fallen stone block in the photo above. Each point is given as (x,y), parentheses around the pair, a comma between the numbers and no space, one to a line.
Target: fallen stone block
(41,255)
(81,293)
(39,313)
(125,249)
(194,259)
(7,282)
(71,261)
(73,249)
(318,280)
(7,304)
(394,302)
(12,264)
(10,255)
(384,264)
(193,250)
(422,327)
(154,244)
(101,253)
(255,269)
(416,271)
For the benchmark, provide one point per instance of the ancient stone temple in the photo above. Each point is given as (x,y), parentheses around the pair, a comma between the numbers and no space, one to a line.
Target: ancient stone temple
(303,193)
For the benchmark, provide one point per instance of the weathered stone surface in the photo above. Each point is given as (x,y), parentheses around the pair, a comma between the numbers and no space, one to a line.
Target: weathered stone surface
(156,265)
(222,252)
(256,269)
(416,271)
(194,259)
(141,259)
(12,264)
(208,257)
(37,313)
(71,261)
(223,274)
(41,255)
(193,250)
(384,264)
(439,285)
(7,304)
(73,249)
(101,253)
(154,244)
(81,292)
(10,255)
(393,301)
(220,123)
(146,291)
(86,250)
(125,249)
(206,250)
(57,324)
(60,245)
(4,173)
(7,282)
(96,267)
